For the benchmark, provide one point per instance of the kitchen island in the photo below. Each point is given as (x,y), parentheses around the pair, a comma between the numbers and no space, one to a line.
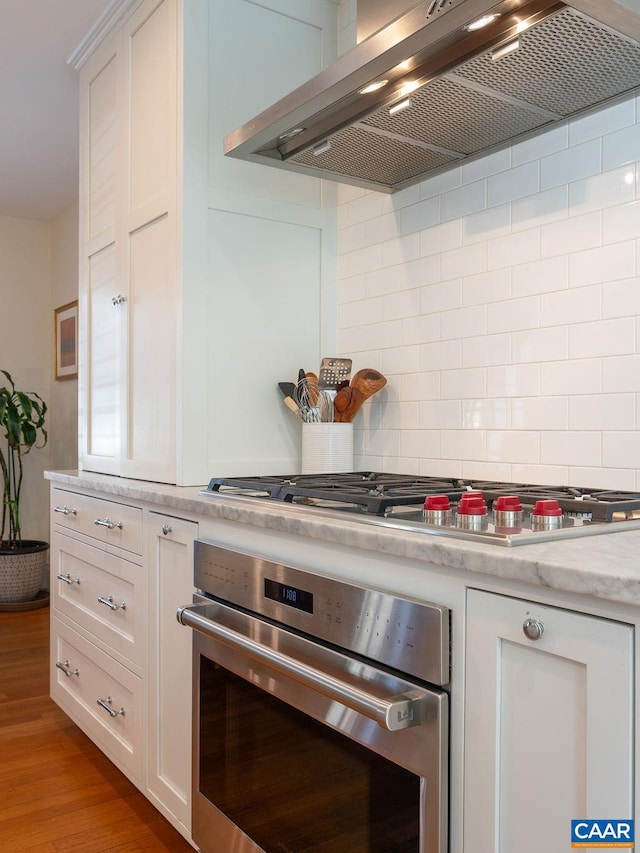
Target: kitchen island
(557,711)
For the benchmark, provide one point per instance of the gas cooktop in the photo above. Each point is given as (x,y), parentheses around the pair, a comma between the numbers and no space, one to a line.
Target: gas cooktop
(499,512)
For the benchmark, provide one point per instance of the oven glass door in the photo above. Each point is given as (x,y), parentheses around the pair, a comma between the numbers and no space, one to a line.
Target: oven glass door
(293,754)
(290,783)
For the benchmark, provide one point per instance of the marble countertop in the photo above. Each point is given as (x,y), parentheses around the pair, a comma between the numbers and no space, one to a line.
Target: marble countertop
(604,566)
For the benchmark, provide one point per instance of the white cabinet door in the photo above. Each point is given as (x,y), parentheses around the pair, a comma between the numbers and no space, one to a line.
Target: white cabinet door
(548,724)
(169,686)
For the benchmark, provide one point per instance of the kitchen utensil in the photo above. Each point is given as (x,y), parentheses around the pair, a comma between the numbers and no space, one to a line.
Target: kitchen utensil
(333,372)
(312,387)
(290,403)
(287,388)
(368,381)
(347,404)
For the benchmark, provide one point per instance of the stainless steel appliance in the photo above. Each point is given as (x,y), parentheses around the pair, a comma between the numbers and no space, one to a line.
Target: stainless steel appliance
(320,712)
(495,512)
(443,81)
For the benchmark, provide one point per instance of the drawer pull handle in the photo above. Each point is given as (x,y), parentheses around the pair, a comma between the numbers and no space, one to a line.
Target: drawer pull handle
(65,668)
(106,704)
(67,578)
(65,510)
(108,600)
(166,529)
(118,300)
(104,522)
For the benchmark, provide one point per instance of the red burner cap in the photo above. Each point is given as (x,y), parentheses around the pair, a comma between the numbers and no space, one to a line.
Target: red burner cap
(472,503)
(547,507)
(508,503)
(437,503)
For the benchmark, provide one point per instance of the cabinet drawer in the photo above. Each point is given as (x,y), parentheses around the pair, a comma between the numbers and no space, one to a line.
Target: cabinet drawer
(108,521)
(94,684)
(100,592)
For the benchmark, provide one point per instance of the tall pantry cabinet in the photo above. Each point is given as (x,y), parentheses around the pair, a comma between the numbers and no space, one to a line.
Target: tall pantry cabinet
(203,281)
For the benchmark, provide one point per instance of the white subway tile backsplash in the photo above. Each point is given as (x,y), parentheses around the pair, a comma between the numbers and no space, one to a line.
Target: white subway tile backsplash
(621,223)
(621,450)
(441,238)
(485,350)
(513,380)
(418,330)
(486,414)
(532,211)
(383,282)
(467,383)
(513,446)
(406,303)
(621,298)
(539,345)
(565,378)
(441,414)
(442,356)
(483,288)
(464,444)
(621,147)
(421,272)
(578,161)
(602,412)
(464,322)
(513,315)
(599,191)
(468,260)
(602,264)
(621,374)
(540,413)
(516,248)
(501,298)
(571,235)
(548,274)
(419,216)
(567,307)
(469,198)
(515,183)
(441,297)
(603,338)
(582,448)
(487,224)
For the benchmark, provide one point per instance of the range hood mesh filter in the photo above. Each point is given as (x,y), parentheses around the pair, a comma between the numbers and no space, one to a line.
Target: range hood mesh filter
(448,114)
(592,65)
(359,153)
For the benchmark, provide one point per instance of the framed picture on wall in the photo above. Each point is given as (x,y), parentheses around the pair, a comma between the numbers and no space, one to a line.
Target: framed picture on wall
(66,341)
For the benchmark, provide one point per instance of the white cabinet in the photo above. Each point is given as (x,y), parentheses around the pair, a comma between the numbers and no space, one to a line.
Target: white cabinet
(548,724)
(169,671)
(97,622)
(192,265)
(128,239)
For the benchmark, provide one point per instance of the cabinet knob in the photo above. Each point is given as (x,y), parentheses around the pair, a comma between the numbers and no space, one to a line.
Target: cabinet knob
(533,628)
(119,299)
(166,529)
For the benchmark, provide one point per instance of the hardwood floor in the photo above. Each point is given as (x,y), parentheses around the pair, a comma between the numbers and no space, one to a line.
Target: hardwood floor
(58,792)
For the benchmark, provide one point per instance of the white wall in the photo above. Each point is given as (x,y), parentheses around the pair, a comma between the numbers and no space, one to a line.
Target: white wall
(502,301)
(63,411)
(26,343)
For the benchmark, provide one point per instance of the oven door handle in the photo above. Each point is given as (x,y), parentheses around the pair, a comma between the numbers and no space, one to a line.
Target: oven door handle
(413,706)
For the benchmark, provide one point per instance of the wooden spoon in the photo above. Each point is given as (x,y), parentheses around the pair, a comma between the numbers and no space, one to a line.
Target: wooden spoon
(368,382)
(347,404)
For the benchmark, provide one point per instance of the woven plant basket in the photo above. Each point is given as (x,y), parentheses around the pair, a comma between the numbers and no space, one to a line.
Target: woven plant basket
(22,571)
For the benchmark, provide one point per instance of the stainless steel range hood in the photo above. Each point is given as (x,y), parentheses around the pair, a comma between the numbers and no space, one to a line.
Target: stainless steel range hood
(459,91)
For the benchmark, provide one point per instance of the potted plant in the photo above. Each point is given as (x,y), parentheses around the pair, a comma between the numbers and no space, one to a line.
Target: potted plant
(22,561)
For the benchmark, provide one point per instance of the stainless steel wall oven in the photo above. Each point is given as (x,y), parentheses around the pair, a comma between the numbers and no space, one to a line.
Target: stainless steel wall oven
(320,712)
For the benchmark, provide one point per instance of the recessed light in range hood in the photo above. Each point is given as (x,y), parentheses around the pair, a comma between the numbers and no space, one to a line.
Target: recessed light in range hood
(467,91)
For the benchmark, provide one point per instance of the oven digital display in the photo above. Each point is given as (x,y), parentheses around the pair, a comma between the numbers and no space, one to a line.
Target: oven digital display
(289,595)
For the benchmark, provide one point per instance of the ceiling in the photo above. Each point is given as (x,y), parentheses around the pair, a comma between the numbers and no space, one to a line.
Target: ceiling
(39,103)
